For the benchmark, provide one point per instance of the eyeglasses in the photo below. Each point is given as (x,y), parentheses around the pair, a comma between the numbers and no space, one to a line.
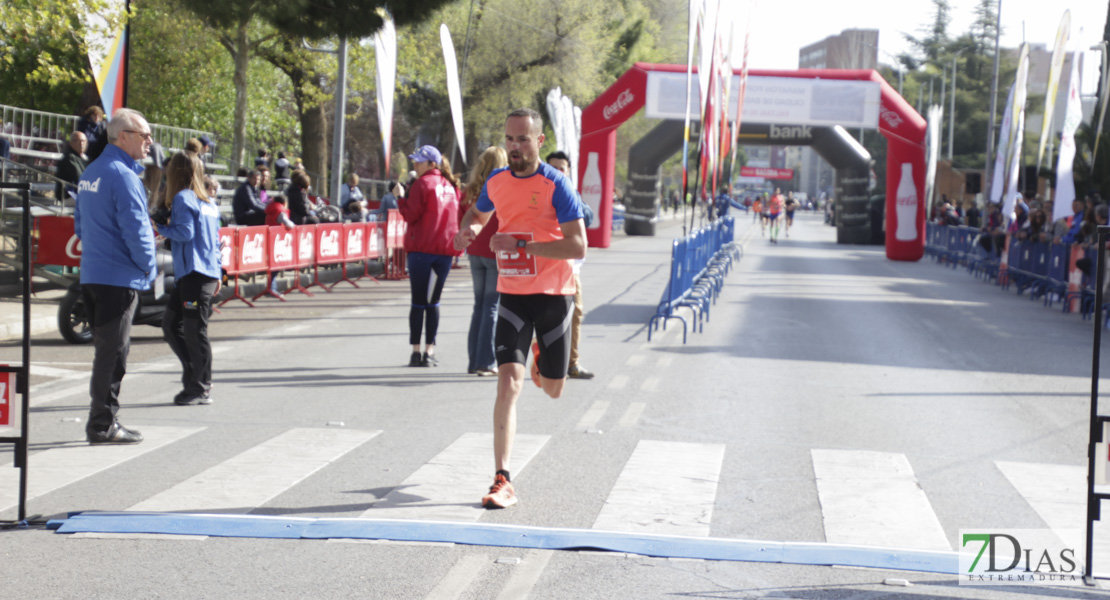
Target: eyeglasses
(146,136)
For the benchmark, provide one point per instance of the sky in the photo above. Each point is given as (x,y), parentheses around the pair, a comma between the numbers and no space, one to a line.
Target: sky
(779,28)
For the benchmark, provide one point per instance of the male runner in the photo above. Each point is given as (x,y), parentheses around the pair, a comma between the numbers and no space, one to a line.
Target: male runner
(541,230)
(775,208)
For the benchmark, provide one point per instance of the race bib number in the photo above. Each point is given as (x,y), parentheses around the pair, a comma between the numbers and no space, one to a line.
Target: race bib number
(517,263)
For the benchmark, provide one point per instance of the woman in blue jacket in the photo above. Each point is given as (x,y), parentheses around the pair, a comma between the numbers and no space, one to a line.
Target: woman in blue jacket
(194,231)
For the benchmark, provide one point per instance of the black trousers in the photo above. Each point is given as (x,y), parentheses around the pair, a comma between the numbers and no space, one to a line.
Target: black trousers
(185,326)
(110,309)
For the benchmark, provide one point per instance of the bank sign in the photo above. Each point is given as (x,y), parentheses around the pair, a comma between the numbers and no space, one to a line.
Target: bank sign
(1020,557)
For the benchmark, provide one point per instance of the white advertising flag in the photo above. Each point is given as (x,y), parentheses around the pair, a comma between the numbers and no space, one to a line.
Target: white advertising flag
(1055,68)
(1073,116)
(385,57)
(998,174)
(454,91)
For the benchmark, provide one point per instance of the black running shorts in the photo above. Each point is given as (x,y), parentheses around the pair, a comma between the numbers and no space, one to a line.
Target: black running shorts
(549,317)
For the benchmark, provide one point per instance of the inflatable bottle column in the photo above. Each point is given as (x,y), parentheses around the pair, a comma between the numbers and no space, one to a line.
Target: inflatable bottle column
(591,189)
(905,206)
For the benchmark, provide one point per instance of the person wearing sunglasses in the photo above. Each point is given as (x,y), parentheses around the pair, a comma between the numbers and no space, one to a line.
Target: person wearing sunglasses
(117,263)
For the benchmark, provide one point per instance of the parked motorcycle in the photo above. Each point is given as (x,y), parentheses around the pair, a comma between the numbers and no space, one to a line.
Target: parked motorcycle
(74,320)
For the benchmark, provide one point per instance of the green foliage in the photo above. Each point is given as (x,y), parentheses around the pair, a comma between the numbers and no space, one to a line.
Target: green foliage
(182,76)
(43,62)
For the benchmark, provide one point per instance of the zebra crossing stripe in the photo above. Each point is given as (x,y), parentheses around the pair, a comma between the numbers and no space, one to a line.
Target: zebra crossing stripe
(1058,494)
(873,499)
(665,488)
(252,478)
(58,467)
(450,486)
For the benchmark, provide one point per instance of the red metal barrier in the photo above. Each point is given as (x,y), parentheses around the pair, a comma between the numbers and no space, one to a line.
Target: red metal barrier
(353,246)
(329,250)
(304,252)
(250,257)
(375,245)
(57,242)
(281,250)
(395,245)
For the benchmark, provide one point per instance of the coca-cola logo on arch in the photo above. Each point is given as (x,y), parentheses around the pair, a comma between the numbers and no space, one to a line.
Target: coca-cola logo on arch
(623,99)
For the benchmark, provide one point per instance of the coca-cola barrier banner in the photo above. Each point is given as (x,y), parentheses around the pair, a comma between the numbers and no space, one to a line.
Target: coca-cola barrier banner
(899,123)
(243,249)
(57,242)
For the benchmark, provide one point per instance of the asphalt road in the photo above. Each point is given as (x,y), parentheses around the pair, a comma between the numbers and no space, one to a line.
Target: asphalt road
(834,397)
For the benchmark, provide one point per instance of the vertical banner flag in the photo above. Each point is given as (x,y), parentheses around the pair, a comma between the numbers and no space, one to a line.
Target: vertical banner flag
(568,132)
(694,15)
(385,56)
(1073,116)
(998,174)
(107,50)
(1017,131)
(934,122)
(1053,88)
(1101,99)
(454,91)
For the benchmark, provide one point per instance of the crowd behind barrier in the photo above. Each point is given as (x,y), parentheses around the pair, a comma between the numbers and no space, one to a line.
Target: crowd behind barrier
(699,264)
(263,249)
(1049,271)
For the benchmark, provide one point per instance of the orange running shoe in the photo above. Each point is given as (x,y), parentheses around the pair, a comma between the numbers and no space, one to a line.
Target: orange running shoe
(536,364)
(501,493)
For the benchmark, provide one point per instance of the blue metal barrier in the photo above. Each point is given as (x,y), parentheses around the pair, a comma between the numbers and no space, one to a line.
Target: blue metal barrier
(699,263)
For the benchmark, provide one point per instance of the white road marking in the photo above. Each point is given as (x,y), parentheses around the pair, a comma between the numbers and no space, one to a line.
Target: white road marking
(634,360)
(664,361)
(252,478)
(1058,494)
(632,414)
(525,575)
(618,382)
(650,384)
(667,488)
(874,499)
(459,577)
(450,486)
(58,467)
(593,416)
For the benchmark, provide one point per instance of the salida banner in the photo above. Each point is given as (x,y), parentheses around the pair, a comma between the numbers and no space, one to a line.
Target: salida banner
(767,172)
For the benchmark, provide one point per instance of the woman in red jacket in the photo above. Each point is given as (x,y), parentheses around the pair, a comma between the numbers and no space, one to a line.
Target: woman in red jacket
(431,211)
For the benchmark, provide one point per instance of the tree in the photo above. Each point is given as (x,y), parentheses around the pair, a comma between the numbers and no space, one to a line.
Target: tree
(231,21)
(44,48)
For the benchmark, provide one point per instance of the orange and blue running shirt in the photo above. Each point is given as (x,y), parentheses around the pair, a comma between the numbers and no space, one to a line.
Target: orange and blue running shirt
(536,204)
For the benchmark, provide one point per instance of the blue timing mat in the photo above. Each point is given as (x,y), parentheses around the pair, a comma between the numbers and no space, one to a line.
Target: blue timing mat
(510,536)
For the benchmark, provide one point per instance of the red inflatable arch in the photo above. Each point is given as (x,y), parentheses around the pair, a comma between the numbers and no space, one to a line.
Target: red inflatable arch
(899,123)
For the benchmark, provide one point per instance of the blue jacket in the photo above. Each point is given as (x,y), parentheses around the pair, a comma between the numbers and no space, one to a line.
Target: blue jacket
(111,220)
(195,230)
(1073,234)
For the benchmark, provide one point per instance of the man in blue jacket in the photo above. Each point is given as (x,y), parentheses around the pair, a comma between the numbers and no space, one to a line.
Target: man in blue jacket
(117,262)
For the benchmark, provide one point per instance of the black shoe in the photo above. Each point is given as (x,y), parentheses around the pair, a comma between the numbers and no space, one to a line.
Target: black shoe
(429,360)
(414,360)
(116,434)
(183,399)
(577,372)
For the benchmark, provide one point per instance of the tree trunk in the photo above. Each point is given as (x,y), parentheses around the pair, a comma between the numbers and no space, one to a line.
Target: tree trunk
(314,144)
(242,60)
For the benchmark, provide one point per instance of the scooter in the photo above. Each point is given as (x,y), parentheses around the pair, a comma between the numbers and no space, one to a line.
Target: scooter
(74,320)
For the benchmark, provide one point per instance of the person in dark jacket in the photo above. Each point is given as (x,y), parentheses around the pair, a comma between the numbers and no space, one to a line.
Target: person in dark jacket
(71,164)
(431,211)
(247,205)
(300,207)
(117,262)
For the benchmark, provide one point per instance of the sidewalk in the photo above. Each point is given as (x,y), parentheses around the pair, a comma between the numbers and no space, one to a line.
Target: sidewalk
(44,311)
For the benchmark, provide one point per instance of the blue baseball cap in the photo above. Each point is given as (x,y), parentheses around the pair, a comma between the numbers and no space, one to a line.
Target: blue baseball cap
(205,140)
(427,154)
